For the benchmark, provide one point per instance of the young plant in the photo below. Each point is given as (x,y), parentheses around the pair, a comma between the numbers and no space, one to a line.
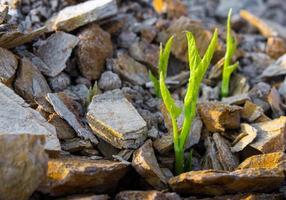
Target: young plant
(156,84)
(91,92)
(198,67)
(227,67)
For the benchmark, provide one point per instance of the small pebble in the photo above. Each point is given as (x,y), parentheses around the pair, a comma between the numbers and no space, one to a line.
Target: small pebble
(109,81)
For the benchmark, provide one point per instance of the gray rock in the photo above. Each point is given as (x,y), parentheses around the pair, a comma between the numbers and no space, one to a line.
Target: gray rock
(56,51)
(78,92)
(23,165)
(59,82)
(16,117)
(278,68)
(113,118)
(78,15)
(8,65)
(126,39)
(60,103)
(109,81)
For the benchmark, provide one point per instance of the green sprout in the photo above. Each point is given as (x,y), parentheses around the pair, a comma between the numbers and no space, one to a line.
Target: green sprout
(93,90)
(156,84)
(198,67)
(227,68)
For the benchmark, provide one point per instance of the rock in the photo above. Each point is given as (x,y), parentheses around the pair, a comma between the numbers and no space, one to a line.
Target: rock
(94,48)
(16,117)
(278,68)
(56,51)
(266,27)
(164,144)
(88,197)
(144,52)
(8,66)
(247,135)
(275,103)
(59,82)
(23,165)
(80,14)
(239,99)
(239,84)
(252,112)
(146,195)
(176,9)
(64,131)
(76,145)
(126,39)
(274,160)
(211,160)
(113,118)
(270,135)
(215,182)
(3,13)
(31,84)
(218,117)
(179,47)
(259,93)
(228,160)
(130,70)
(148,33)
(75,175)
(62,105)
(109,81)
(275,47)
(145,163)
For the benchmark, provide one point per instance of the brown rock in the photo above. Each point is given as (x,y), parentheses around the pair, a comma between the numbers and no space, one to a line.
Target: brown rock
(164,144)
(114,119)
(218,117)
(278,68)
(76,145)
(31,84)
(145,163)
(252,112)
(260,196)
(211,160)
(213,182)
(270,135)
(176,8)
(87,197)
(275,47)
(131,70)
(239,99)
(8,66)
(275,103)
(71,175)
(56,51)
(228,160)
(94,48)
(146,53)
(80,14)
(23,165)
(146,195)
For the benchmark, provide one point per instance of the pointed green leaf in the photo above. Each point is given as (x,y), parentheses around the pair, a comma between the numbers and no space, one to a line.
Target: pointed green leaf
(193,54)
(156,84)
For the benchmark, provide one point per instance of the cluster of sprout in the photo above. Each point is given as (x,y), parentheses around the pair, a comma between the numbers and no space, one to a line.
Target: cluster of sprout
(198,67)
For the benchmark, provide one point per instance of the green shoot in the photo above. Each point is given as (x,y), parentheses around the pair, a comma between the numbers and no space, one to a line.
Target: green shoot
(198,67)
(227,68)
(156,84)
(91,92)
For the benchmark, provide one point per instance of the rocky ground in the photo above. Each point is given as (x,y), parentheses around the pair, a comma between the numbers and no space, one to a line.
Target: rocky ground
(79,119)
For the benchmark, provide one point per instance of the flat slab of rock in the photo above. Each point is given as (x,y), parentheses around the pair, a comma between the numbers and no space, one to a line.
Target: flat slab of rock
(60,103)
(16,117)
(23,165)
(212,182)
(147,195)
(270,135)
(56,51)
(218,117)
(278,68)
(78,15)
(71,175)
(270,161)
(113,118)
(145,163)
(8,65)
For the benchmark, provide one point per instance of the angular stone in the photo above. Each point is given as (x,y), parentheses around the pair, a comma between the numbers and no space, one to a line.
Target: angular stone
(3,12)
(227,159)
(275,102)
(270,135)
(146,53)
(236,100)
(80,14)
(247,135)
(269,161)
(146,195)
(275,47)
(61,104)
(164,144)
(88,197)
(130,70)
(72,175)
(278,68)
(16,117)
(113,118)
(252,112)
(75,145)
(59,82)
(56,51)
(23,165)
(8,66)
(218,117)
(145,163)
(94,48)
(266,27)
(109,81)
(211,160)
(215,182)
(31,84)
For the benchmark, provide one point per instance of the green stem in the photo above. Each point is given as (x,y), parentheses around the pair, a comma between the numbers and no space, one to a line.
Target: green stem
(225,85)
(180,161)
